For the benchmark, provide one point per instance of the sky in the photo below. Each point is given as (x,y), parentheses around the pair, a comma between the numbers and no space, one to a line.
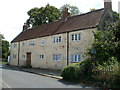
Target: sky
(13,13)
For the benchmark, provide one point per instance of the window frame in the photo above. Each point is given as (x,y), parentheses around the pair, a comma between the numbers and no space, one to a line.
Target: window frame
(14,56)
(75,58)
(76,37)
(41,56)
(23,43)
(42,42)
(56,57)
(31,43)
(23,56)
(57,39)
(14,45)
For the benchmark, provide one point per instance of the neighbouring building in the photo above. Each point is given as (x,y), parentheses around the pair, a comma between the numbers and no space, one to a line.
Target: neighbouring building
(60,43)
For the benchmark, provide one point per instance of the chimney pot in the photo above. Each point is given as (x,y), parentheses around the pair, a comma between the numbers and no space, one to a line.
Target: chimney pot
(66,14)
(25,27)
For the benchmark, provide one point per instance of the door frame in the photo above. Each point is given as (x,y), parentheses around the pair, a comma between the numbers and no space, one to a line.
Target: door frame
(28,59)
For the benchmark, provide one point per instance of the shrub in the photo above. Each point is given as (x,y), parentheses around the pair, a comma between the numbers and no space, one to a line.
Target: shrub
(70,72)
(77,71)
(106,74)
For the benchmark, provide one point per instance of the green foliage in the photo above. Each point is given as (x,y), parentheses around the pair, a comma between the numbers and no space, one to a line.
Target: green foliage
(5,49)
(78,71)
(70,72)
(47,14)
(42,15)
(93,9)
(73,9)
(107,43)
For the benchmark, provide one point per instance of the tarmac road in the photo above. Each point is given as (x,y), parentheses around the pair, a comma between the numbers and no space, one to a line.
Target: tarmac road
(18,79)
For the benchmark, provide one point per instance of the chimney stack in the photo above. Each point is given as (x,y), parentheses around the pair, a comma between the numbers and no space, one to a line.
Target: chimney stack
(66,14)
(108,5)
(119,8)
(25,27)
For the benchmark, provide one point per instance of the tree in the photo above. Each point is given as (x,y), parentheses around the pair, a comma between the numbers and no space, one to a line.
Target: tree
(107,43)
(4,47)
(73,9)
(93,9)
(42,15)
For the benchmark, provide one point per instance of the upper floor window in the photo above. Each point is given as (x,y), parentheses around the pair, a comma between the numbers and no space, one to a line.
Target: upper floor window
(57,39)
(75,58)
(56,57)
(75,37)
(41,56)
(31,43)
(23,44)
(14,45)
(42,42)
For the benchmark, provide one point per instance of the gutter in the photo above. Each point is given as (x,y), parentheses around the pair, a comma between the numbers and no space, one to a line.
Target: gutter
(67,48)
(18,53)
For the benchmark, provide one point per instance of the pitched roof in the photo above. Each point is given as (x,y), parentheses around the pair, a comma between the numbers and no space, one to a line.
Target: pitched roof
(82,21)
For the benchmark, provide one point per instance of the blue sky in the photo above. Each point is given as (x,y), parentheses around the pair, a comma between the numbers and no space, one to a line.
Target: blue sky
(14,12)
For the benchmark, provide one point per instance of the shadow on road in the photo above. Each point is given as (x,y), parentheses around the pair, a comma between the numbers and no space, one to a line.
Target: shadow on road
(72,83)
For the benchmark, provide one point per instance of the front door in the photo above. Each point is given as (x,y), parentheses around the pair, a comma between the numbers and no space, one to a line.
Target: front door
(28,62)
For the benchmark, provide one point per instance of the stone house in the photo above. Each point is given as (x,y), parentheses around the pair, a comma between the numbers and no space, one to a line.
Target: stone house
(60,43)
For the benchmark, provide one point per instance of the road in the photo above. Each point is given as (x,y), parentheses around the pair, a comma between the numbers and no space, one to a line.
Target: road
(12,78)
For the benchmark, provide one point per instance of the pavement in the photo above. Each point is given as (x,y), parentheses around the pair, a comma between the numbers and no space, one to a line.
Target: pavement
(43,72)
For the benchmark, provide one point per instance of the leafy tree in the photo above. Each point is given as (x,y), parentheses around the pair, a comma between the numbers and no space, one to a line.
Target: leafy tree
(1,37)
(93,9)
(73,9)
(42,15)
(4,47)
(107,43)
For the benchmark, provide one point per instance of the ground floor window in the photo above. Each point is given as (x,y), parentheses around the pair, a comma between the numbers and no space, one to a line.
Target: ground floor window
(75,58)
(14,56)
(23,56)
(56,57)
(41,56)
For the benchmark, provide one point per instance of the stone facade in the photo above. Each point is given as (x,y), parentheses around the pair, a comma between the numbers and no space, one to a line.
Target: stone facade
(49,48)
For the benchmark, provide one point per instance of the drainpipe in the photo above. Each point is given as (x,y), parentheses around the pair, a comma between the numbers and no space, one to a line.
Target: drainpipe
(18,53)
(67,48)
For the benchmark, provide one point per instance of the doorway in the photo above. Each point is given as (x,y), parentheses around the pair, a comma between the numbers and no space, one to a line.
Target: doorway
(28,61)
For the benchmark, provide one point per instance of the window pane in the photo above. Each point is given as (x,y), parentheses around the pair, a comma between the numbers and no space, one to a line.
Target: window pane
(42,42)
(75,58)
(72,37)
(59,39)
(79,57)
(56,57)
(54,39)
(78,36)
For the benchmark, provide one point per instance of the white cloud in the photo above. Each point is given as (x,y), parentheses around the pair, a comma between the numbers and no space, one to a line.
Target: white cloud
(14,12)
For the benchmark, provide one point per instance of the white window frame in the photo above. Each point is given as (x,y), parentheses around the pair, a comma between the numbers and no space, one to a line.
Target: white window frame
(76,58)
(14,45)
(76,37)
(56,57)
(31,43)
(14,56)
(57,39)
(23,56)
(23,44)
(41,56)
(42,42)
